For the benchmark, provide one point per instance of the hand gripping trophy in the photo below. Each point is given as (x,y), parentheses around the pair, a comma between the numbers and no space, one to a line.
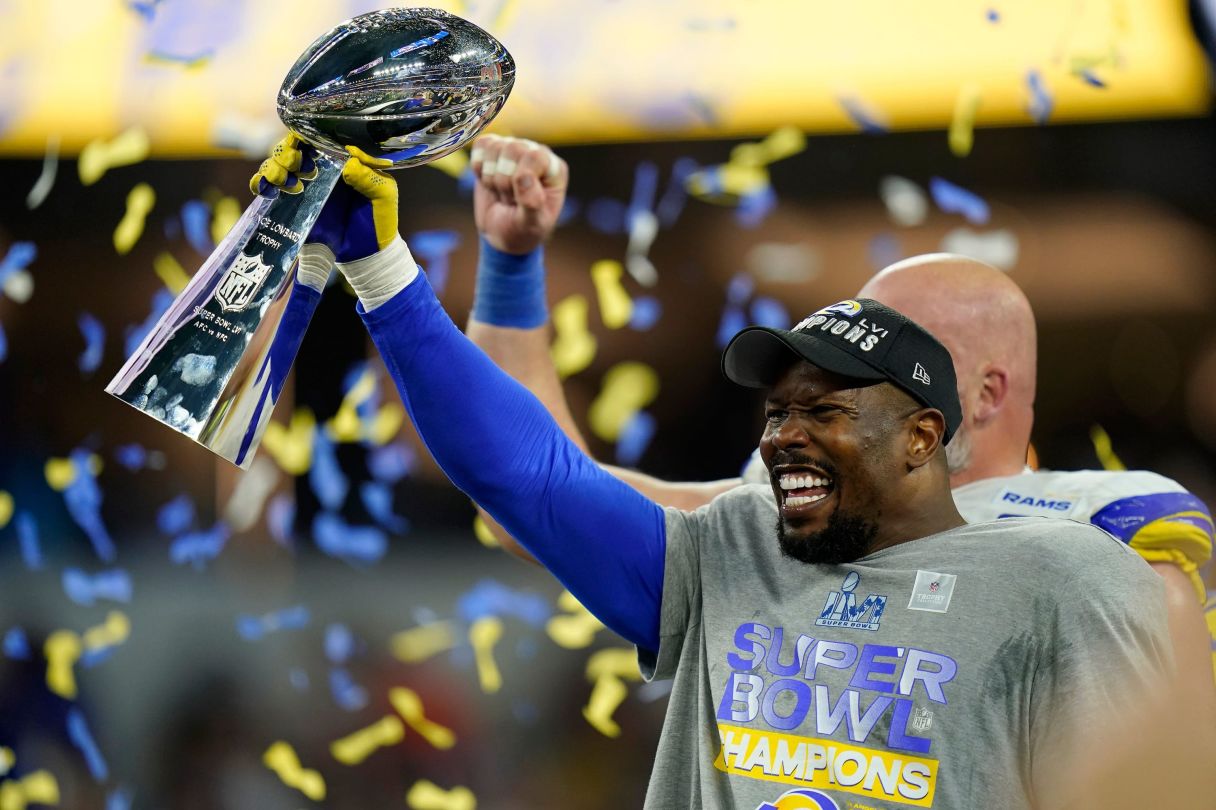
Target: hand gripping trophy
(404,86)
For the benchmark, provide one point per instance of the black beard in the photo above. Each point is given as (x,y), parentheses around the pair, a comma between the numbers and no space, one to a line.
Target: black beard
(846,538)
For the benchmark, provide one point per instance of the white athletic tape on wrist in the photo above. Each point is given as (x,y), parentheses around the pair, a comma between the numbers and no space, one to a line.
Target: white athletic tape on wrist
(316,263)
(380,276)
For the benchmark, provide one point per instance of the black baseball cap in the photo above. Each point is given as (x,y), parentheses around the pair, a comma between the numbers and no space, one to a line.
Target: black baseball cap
(858,338)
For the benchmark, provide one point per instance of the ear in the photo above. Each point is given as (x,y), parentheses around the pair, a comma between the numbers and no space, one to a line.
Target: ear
(928,430)
(994,388)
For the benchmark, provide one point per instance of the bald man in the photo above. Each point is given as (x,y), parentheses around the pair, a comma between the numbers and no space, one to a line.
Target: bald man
(976,311)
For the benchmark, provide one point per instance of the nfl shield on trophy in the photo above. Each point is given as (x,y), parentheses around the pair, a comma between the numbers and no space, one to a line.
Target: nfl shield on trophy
(404,85)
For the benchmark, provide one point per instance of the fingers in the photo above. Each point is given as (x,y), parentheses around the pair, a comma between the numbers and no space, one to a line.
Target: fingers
(371,183)
(284,168)
(500,163)
(368,160)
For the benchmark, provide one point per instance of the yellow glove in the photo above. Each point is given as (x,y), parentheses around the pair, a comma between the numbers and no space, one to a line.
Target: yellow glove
(290,163)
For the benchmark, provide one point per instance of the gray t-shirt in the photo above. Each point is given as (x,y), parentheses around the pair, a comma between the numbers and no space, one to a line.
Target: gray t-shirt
(951,671)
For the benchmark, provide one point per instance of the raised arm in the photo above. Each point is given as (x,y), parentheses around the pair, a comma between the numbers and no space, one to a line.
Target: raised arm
(521,187)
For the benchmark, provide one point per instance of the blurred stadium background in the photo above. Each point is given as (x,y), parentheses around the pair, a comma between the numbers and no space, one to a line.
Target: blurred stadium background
(1071,143)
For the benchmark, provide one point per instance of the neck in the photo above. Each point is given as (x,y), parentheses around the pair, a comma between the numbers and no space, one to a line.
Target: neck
(934,512)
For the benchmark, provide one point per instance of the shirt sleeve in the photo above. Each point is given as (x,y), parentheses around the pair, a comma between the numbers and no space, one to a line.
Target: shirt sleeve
(496,442)
(681,608)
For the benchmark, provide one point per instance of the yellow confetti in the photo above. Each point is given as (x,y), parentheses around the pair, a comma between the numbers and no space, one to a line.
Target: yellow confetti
(452,165)
(409,706)
(354,748)
(291,446)
(619,662)
(386,424)
(170,272)
(1105,449)
(425,795)
(345,425)
(780,144)
(627,388)
(7,760)
(60,473)
(62,650)
(114,631)
(577,628)
(420,643)
(574,347)
(483,635)
(962,125)
(727,183)
(608,670)
(481,530)
(6,508)
(616,307)
(224,215)
(99,156)
(139,204)
(281,758)
(39,787)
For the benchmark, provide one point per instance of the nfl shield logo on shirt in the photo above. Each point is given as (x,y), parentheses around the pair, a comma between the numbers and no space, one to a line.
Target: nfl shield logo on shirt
(932,591)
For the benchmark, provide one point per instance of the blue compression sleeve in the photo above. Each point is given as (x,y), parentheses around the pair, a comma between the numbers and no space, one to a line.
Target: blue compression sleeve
(600,537)
(510,289)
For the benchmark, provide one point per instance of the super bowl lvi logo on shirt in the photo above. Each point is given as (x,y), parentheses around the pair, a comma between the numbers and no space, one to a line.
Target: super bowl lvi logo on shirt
(842,609)
(242,281)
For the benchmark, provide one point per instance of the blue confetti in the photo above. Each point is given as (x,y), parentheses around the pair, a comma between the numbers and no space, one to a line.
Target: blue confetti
(94,341)
(646,313)
(1041,102)
(3,344)
(131,456)
(859,115)
(433,249)
(83,589)
(176,516)
(252,628)
(19,256)
(27,536)
(645,186)
(993,16)
(196,222)
(119,799)
(351,544)
(884,249)
(771,313)
(97,655)
(378,500)
(734,320)
(346,693)
(326,478)
(280,515)
(83,498)
(147,10)
(954,199)
(570,211)
(492,598)
(634,438)
(299,679)
(161,300)
(78,733)
(671,204)
(391,462)
(1089,77)
(754,207)
(16,645)
(339,643)
(607,215)
(197,548)
(740,289)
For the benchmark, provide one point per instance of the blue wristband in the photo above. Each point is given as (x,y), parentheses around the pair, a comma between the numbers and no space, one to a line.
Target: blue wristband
(510,289)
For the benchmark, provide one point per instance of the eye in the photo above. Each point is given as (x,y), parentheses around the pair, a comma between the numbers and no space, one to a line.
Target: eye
(774,414)
(824,411)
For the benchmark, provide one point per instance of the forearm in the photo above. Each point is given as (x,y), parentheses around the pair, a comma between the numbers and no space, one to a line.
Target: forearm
(684,495)
(601,538)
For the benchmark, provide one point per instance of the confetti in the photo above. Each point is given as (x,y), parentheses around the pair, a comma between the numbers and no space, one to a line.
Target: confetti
(103,639)
(85,589)
(176,516)
(1105,450)
(883,249)
(38,787)
(6,508)
(778,145)
(94,334)
(481,530)
(82,738)
(643,228)
(407,704)
(961,135)
(954,199)
(423,642)
(170,272)
(645,314)
(349,695)
(607,215)
(244,508)
(671,204)
(993,16)
(866,120)
(196,221)
(15,279)
(119,799)
(62,650)
(574,346)
(1088,76)
(280,515)
(356,747)
(339,643)
(7,760)
(998,248)
(161,300)
(771,313)
(351,544)
(281,758)
(378,501)
(726,184)
(491,598)
(3,345)
(906,203)
(426,795)
(390,463)
(27,538)
(608,670)
(224,215)
(483,635)
(291,447)
(433,249)
(575,630)
(99,156)
(627,388)
(755,206)
(1041,102)
(16,645)
(253,628)
(635,438)
(46,179)
(196,548)
(140,201)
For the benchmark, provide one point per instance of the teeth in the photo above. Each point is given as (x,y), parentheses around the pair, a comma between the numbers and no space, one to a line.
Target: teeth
(802,500)
(792,481)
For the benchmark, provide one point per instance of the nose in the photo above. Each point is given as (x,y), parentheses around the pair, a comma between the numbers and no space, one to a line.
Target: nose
(789,433)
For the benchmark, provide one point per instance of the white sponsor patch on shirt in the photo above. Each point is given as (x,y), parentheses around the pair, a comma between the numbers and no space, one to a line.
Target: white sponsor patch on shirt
(932,591)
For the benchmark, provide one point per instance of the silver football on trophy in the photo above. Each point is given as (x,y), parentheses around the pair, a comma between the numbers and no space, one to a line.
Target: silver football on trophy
(408,85)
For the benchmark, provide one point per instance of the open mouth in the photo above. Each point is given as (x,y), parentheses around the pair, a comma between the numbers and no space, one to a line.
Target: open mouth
(802,489)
